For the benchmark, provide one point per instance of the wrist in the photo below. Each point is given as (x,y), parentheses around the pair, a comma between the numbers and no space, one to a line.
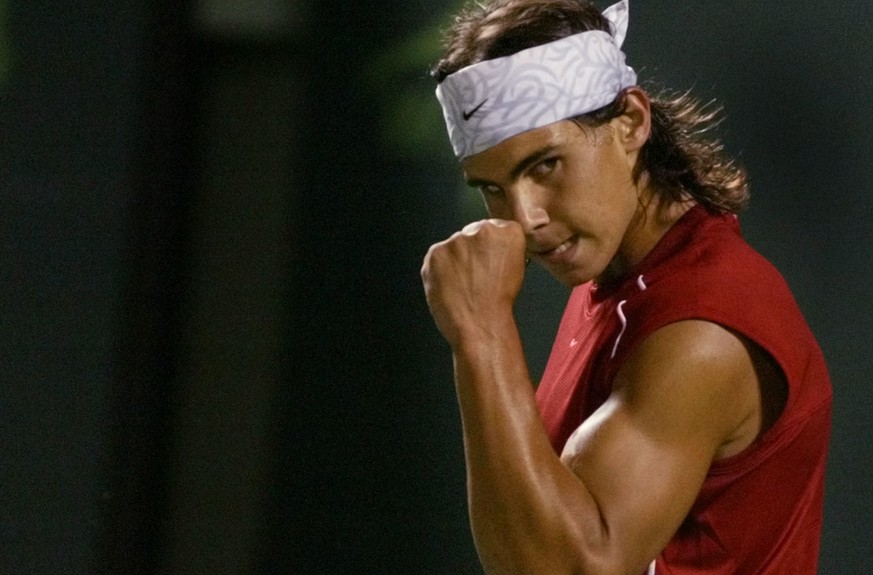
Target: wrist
(475,337)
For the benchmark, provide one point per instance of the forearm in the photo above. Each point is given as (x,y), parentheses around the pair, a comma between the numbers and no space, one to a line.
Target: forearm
(528,512)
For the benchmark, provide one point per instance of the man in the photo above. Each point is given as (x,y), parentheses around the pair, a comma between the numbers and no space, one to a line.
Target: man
(681,425)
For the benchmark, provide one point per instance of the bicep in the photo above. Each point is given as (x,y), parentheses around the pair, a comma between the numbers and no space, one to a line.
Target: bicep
(645,453)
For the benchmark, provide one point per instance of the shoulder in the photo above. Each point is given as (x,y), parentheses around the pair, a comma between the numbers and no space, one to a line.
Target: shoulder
(715,258)
(716,276)
(693,381)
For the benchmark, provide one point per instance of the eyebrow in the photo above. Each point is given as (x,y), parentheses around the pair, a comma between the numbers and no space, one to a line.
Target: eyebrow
(520,167)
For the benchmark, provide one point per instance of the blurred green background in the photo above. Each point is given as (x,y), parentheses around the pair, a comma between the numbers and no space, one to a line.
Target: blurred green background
(216,354)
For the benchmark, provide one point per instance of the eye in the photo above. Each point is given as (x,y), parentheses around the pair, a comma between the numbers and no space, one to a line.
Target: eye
(545,167)
(491,192)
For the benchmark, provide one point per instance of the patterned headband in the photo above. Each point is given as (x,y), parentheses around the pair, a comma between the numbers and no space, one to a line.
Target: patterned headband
(493,100)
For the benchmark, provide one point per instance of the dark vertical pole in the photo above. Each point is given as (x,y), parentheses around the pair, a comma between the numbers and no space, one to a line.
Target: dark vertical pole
(146,356)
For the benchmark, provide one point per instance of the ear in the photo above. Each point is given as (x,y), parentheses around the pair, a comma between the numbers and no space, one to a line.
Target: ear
(635,124)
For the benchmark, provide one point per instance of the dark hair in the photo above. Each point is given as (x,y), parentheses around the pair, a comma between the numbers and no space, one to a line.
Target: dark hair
(682,157)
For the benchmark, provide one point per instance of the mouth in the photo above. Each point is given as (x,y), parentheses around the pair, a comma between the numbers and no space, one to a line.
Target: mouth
(558,253)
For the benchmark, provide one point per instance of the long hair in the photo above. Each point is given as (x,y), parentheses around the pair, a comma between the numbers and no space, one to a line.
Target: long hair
(683,157)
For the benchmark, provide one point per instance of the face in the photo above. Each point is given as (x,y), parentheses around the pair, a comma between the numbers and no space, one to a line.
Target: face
(571,189)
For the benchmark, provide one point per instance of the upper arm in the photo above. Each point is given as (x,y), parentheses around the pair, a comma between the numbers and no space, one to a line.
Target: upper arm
(689,389)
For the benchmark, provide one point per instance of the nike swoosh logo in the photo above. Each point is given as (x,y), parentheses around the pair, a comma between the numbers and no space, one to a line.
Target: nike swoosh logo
(468,115)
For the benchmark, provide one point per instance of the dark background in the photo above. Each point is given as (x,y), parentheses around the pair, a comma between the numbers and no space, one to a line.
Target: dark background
(216,357)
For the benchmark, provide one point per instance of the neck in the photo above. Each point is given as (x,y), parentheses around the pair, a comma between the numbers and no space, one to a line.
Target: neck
(654,218)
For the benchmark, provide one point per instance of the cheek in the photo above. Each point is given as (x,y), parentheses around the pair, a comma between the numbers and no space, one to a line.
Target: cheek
(600,199)
(618,193)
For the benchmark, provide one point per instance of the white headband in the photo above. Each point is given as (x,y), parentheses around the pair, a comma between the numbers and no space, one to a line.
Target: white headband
(493,100)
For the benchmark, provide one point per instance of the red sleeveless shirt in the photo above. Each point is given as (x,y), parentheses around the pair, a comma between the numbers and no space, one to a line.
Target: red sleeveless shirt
(758,512)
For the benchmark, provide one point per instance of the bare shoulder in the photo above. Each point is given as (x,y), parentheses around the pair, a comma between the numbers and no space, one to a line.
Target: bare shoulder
(699,381)
(691,389)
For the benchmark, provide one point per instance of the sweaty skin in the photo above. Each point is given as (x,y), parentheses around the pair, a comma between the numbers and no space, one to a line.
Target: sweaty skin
(691,393)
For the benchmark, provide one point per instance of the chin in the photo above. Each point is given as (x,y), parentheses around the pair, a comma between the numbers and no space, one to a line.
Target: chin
(574,277)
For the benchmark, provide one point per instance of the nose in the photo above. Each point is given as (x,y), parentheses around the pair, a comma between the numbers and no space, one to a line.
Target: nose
(528,209)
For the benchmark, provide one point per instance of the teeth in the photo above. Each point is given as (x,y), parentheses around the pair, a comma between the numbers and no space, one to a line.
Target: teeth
(562,248)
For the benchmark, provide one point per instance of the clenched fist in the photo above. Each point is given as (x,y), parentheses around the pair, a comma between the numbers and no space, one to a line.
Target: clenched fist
(472,279)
